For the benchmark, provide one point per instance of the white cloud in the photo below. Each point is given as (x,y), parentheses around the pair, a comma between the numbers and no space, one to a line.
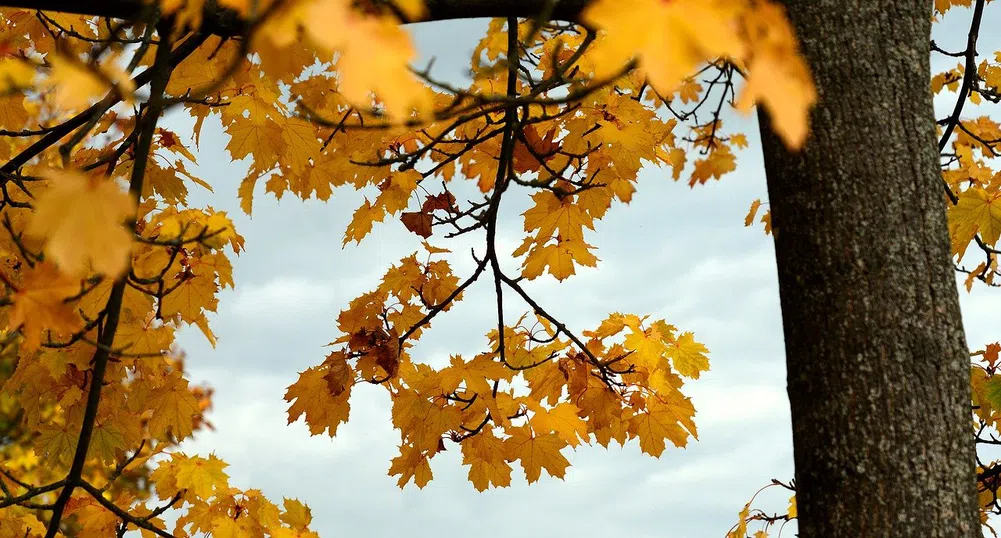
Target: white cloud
(281,299)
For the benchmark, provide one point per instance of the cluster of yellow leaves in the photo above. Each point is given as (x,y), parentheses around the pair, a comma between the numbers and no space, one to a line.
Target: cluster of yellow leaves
(217,509)
(671,39)
(766,218)
(475,403)
(373,50)
(986,388)
(617,131)
(978,186)
(748,516)
(68,235)
(73,230)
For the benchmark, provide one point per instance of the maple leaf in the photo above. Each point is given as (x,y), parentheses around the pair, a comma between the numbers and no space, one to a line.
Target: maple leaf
(411,464)
(525,154)
(546,382)
(554,216)
(97,519)
(562,420)
(111,436)
(417,222)
(73,85)
(310,396)
(444,201)
(297,515)
(174,407)
(192,294)
(536,452)
(752,212)
(81,219)
(422,419)
(40,304)
(484,453)
(339,375)
(688,356)
(362,220)
(779,77)
(202,477)
(977,211)
(664,419)
(56,442)
(15,74)
(374,52)
(670,38)
(561,259)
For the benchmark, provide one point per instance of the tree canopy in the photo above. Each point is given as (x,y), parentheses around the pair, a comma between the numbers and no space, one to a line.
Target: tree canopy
(103,259)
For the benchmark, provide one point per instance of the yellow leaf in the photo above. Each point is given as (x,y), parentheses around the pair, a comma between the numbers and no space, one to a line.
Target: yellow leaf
(669,38)
(74,86)
(56,443)
(664,419)
(559,258)
(413,9)
(411,464)
(751,213)
(174,407)
(15,74)
(977,212)
(552,216)
(536,452)
(188,298)
(484,453)
(94,519)
(297,515)
(81,219)
(779,77)
(310,396)
(111,436)
(200,476)
(374,52)
(688,356)
(362,220)
(561,420)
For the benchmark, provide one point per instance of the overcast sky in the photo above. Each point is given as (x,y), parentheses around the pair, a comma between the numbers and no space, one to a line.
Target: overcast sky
(676,253)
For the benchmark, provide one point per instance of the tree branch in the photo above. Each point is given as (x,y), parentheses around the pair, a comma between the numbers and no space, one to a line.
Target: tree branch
(227,23)
(161,71)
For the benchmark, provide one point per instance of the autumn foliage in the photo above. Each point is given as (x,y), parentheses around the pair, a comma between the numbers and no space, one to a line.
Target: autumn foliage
(103,259)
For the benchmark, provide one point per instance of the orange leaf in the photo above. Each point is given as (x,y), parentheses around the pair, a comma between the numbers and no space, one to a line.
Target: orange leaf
(39,305)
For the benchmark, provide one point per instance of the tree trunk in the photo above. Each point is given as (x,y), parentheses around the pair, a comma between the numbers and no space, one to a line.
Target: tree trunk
(878,368)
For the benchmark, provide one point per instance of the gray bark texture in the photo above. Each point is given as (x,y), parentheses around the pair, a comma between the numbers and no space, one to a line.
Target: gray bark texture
(878,367)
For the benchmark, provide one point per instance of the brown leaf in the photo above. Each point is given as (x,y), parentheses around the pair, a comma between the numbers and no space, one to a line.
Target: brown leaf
(443,201)
(387,352)
(338,376)
(417,222)
(525,159)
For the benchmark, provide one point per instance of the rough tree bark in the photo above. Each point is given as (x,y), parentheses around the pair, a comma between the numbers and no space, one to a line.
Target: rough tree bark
(878,368)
